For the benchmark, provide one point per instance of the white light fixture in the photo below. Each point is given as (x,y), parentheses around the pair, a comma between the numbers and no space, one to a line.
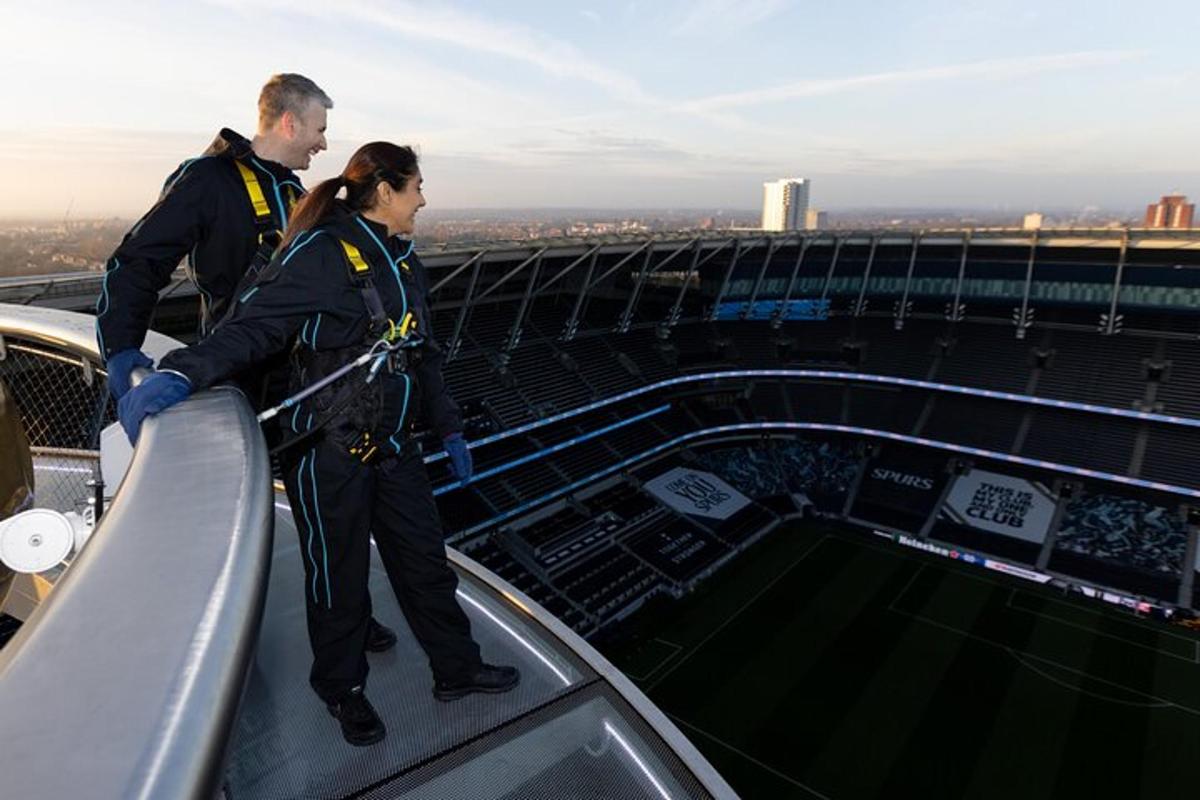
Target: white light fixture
(36,540)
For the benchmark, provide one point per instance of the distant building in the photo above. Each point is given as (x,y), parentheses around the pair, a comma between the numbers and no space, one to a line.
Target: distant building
(815,220)
(1173,211)
(1033,221)
(785,202)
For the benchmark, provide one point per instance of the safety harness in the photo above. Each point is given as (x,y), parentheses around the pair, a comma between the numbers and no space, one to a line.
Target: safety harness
(269,235)
(349,410)
(263,266)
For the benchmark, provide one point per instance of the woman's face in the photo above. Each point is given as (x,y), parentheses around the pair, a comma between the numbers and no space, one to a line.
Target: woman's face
(400,207)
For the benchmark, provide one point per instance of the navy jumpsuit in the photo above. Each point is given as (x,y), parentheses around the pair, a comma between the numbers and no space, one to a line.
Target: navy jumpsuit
(204,215)
(337,500)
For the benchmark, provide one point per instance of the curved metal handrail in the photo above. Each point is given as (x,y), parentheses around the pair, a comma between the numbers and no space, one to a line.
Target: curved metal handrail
(75,333)
(126,680)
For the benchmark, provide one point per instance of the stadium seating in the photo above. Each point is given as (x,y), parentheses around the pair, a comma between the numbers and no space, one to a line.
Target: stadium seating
(506,384)
(679,550)
(987,424)
(752,471)
(985,356)
(545,374)
(745,526)
(1122,542)
(823,470)
(1069,437)
(1173,456)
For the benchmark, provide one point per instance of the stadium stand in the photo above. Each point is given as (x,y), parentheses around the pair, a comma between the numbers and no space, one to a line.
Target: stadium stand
(784,476)
(1123,542)
(624,500)
(745,526)
(752,471)
(608,583)
(1111,375)
(599,365)
(988,424)
(909,353)
(678,550)
(885,408)
(973,359)
(769,400)
(817,401)
(821,470)
(504,380)
(1069,437)
(1172,456)
(1179,390)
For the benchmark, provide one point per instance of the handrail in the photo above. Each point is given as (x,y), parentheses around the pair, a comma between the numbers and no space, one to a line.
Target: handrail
(125,682)
(75,333)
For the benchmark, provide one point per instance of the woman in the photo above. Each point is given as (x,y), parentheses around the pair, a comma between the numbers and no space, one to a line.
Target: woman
(342,283)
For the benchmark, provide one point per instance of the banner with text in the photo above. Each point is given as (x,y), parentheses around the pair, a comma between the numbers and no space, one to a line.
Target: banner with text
(1002,504)
(901,487)
(700,494)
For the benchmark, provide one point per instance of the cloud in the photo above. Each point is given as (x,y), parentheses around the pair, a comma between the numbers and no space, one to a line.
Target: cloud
(603,146)
(92,144)
(589,14)
(442,23)
(720,16)
(995,69)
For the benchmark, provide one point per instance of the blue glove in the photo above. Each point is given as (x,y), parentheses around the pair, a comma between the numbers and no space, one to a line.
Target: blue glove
(158,392)
(460,457)
(120,365)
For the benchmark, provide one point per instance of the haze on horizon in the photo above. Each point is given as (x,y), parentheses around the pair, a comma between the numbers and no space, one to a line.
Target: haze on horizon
(671,104)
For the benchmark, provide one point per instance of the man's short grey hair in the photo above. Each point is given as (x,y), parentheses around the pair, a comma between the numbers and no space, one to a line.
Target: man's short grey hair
(288,91)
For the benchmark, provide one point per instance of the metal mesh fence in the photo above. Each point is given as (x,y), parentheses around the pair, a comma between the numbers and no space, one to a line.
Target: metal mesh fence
(64,404)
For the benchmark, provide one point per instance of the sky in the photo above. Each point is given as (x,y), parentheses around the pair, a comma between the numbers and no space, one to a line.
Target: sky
(978,104)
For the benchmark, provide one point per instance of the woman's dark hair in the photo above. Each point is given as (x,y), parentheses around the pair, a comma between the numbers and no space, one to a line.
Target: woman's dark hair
(370,164)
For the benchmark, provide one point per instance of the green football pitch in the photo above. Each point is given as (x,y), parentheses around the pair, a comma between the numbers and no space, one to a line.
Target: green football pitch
(826,664)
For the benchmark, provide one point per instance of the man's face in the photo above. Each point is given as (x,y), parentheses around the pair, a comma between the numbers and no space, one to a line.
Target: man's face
(307,135)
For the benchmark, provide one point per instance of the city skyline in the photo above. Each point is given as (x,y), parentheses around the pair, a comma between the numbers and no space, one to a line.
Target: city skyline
(672,105)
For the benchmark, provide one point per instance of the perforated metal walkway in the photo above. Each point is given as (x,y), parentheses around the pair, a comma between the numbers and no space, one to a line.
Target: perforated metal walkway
(564,732)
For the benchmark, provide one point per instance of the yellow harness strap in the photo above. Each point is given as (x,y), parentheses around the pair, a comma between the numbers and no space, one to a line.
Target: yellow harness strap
(355,257)
(257,199)
(395,331)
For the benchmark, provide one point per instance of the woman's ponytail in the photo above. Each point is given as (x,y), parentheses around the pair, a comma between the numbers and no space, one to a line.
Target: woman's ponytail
(313,208)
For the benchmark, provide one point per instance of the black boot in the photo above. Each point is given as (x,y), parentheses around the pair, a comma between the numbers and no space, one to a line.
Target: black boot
(379,637)
(489,679)
(361,726)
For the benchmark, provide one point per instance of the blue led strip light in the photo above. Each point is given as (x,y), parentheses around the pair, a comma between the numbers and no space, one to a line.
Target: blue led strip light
(556,448)
(820,426)
(1147,416)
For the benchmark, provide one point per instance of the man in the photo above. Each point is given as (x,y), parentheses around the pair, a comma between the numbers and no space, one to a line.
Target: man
(224,211)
